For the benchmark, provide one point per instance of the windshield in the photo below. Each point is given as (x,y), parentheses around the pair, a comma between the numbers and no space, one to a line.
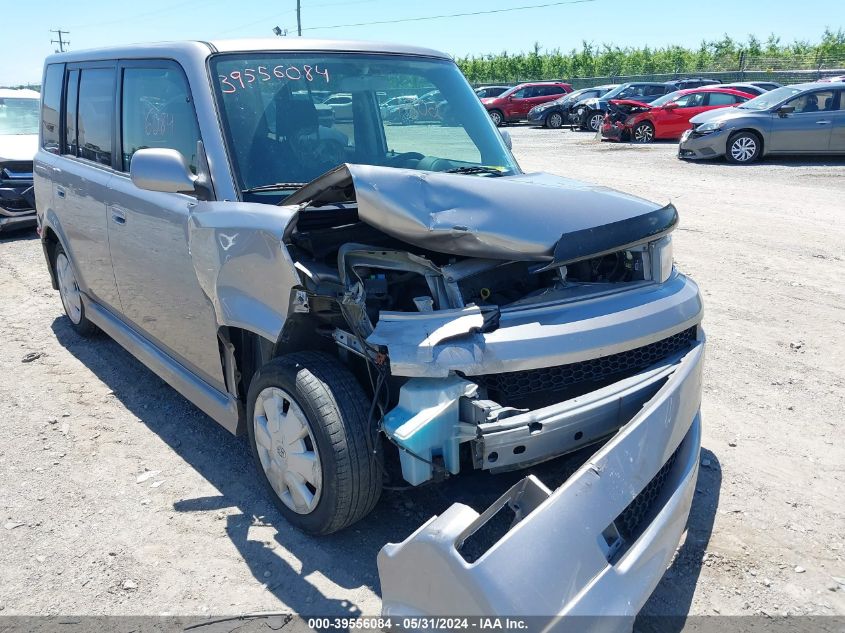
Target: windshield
(278,131)
(665,99)
(18,116)
(768,99)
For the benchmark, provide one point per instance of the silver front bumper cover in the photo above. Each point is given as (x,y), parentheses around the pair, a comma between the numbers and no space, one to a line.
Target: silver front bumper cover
(556,560)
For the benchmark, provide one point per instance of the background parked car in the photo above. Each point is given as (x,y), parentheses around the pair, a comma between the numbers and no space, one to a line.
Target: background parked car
(766,85)
(589,114)
(836,79)
(514,104)
(341,105)
(485,92)
(749,88)
(691,82)
(556,113)
(19,116)
(801,119)
(667,117)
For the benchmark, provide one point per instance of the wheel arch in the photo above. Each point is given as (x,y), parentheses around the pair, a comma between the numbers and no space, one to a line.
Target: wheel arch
(751,130)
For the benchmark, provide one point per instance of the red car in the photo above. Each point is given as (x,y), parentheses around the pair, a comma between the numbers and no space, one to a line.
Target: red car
(514,104)
(667,117)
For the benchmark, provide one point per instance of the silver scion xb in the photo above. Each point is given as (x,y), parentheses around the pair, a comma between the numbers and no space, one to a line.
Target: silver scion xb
(362,298)
(800,119)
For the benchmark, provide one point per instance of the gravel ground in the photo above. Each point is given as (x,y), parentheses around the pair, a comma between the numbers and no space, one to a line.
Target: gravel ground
(119,497)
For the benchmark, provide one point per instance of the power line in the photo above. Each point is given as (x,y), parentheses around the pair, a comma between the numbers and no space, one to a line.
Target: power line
(450,15)
(62,43)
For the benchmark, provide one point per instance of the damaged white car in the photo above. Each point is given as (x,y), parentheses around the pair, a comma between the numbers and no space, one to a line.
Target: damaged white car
(363,298)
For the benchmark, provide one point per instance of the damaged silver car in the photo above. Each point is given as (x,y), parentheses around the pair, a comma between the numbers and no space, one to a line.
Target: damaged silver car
(363,298)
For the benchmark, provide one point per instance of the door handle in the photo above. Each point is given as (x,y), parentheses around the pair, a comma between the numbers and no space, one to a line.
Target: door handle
(822,122)
(60,192)
(118,216)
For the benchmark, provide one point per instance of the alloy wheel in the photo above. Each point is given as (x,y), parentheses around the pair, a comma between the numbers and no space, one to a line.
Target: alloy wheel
(595,122)
(743,149)
(68,289)
(287,450)
(643,133)
(555,120)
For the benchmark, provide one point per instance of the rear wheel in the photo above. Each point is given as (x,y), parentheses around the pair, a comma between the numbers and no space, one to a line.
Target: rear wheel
(554,120)
(312,443)
(497,117)
(70,294)
(594,121)
(643,133)
(743,148)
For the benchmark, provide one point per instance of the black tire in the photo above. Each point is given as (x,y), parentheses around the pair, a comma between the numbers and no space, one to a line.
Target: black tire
(643,132)
(554,121)
(336,409)
(743,148)
(498,117)
(70,294)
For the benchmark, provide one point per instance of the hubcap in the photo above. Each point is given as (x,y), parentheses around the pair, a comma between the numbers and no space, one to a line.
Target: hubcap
(68,289)
(595,121)
(287,450)
(743,149)
(643,134)
(555,120)
(497,118)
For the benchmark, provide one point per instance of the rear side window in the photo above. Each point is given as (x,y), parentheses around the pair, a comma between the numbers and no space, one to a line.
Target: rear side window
(95,120)
(657,90)
(51,97)
(157,111)
(721,98)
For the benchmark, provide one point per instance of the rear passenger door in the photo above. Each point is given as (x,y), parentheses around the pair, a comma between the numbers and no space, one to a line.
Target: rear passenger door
(837,132)
(148,232)
(82,174)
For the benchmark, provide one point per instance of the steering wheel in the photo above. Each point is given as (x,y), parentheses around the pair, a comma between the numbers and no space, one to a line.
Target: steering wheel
(402,157)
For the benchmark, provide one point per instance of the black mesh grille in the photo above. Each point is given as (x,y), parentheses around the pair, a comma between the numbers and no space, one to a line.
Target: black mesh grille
(630,521)
(552,384)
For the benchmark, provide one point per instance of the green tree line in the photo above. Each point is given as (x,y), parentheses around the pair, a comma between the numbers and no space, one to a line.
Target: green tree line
(606,60)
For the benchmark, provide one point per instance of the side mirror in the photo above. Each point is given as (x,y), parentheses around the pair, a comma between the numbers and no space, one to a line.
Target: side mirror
(165,170)
(506,137)
(670,106)
(784,110)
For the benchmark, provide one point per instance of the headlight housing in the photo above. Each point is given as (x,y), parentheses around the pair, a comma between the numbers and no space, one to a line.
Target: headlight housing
(709,126)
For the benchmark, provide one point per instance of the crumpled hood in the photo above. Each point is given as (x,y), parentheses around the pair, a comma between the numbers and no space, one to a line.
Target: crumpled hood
(18,146)
(630,102)
(508,217)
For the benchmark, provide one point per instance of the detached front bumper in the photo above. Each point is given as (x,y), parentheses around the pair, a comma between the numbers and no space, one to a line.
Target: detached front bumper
(615,130)
(598,545)
(695,146)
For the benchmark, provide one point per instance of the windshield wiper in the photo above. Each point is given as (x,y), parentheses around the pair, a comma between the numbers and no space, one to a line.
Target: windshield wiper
(479,169)
(279,186)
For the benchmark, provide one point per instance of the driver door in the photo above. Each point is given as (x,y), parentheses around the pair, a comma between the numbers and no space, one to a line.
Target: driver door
(808,127)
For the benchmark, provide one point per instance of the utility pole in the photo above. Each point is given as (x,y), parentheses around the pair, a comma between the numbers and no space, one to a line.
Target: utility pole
(61,42)
(299,17)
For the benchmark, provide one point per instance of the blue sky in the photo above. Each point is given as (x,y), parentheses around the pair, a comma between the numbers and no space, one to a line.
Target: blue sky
(95,23)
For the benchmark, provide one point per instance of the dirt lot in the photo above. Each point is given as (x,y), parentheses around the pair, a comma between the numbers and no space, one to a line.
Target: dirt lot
(119,497)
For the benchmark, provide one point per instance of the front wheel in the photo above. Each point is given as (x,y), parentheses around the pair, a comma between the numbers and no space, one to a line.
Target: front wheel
(497,117)
(312,443)
(643,133)
(743,148)
(594,121)
(554,121)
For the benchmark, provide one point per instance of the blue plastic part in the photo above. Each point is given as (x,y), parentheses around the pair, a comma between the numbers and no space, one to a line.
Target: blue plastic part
(426,423)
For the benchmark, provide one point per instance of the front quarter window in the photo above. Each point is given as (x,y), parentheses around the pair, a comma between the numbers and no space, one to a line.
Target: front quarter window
(280,132)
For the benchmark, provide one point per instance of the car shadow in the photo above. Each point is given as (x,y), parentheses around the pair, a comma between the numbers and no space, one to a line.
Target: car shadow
(667,608)
(26,234)
(780,161)
(286,561)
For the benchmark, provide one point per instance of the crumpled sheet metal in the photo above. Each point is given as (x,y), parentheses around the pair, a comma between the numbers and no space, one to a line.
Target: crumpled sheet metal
(518,217)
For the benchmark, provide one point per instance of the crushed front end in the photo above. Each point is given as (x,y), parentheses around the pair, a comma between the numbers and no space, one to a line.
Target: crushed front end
(17,198)
(505,343)
(620,118)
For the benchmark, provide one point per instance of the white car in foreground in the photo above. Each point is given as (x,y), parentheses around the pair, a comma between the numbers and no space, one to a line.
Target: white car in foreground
(18,144)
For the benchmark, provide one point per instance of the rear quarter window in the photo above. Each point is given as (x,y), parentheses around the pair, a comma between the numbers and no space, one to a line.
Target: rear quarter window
(51,99)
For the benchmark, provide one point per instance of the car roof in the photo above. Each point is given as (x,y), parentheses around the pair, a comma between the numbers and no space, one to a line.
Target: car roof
(815,84)
(291,44)
(19,93)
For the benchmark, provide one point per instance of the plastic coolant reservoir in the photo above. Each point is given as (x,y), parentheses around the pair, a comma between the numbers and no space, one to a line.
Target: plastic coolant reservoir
(425,421)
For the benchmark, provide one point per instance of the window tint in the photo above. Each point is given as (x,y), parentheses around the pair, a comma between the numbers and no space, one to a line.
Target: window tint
(157,111)
(522,93)
(545,91)
(656,90)
(694,100)
(821,101)
(72,96)
(96,114)
(721,98)
(51,96)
